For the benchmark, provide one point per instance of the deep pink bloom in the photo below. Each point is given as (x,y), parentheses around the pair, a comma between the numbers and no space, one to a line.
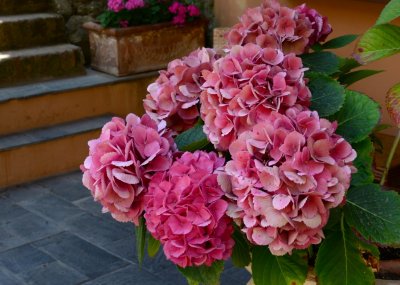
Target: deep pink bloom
(185,210)
(270,25)
(284,176)
(321,27)
(134,4)
(124,23)
(174,96)
(121,162)
(116,5)
(193,10)
(246,85)
(175,7)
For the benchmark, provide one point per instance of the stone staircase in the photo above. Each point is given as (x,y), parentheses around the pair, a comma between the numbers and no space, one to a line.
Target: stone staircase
(50,105)
(33,45)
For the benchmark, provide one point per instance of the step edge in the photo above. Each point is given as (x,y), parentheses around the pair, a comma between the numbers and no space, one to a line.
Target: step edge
(33,136)
(58,88)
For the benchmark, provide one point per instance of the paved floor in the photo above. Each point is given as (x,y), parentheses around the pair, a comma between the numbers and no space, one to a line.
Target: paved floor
(51,232)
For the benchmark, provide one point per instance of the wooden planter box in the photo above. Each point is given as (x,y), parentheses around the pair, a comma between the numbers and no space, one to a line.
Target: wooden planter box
(125,51)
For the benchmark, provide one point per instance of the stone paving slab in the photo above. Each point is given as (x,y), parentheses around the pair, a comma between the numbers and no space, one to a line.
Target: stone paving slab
(52,232)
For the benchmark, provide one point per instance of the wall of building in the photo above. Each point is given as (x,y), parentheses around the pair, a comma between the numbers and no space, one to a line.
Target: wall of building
(346,17)
(75,13)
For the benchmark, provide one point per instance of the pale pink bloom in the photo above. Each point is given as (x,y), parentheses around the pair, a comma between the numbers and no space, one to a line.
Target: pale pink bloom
(121,162)
(270,25)
(284,176)
(245,86)
(186,211)
(174,96)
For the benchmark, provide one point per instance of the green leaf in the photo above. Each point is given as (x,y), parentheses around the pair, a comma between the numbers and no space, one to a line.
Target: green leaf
(352,77)
(393,104)
(339,260)
(358,116)
(207,275)
(323,62)
(241,250)
(268,269)
(378,42)
(193,139)
(339,42)
(327,94)
(141,239)
(363,163)
(347,64)
(390,12)
(374,213)
(153,246)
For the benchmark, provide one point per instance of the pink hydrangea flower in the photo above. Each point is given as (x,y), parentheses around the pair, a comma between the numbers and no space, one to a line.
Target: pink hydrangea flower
(134,4)
(174,96)
(124,23)
(121,162)
(185,210)
(320,25)
(116,5)
(284,176)
(193,10)
(247,84)
(270,25)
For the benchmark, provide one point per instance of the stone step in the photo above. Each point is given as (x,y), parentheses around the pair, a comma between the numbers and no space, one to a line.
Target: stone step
(13,7)
(42,63)
(28,156)
(43,104)
(31,30)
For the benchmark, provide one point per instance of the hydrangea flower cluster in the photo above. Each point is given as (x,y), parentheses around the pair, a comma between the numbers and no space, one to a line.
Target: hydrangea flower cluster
(181,11)
(247,84)
(121,162)
(185,210)
(119,5)
(270,25)
(174,96)
(285,174)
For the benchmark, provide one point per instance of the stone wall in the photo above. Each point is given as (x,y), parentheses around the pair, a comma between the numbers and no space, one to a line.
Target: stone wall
(75,13)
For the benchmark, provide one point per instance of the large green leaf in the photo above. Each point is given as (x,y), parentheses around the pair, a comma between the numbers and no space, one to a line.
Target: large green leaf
(268,269)
(327,94)
(363,163)
(374,213)
(339,260)
(141,239)
(358,116)
(192,139)
(352,77)
(393,104)
(206,275)
(241,250)
(339,42)
(153,245)
(390,12)
(378,42)
(323,62)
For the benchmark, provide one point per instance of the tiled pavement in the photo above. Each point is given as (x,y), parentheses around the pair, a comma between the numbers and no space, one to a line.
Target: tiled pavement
(51,232)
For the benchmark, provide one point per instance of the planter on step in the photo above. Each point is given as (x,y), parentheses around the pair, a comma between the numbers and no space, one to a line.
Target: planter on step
(125,51)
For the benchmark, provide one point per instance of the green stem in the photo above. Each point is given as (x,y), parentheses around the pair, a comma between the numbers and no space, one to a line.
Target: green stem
(390,158)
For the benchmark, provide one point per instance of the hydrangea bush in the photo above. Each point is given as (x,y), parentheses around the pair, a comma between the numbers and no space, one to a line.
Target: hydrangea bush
(259,153)
(126,13)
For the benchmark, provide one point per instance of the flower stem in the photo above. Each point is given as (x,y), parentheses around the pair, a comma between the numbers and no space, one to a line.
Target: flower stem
(390,158)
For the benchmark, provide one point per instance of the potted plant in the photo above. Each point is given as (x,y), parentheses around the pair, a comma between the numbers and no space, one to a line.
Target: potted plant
(142,35)
(261,154)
